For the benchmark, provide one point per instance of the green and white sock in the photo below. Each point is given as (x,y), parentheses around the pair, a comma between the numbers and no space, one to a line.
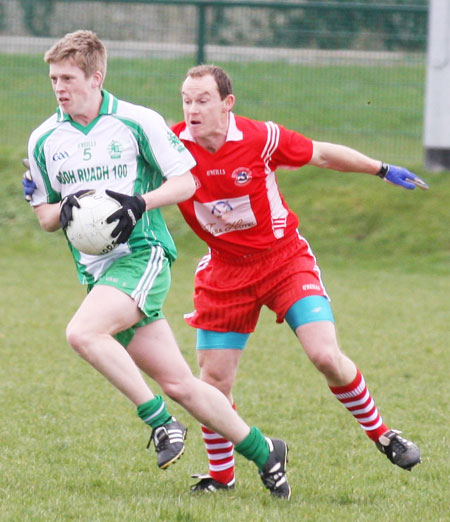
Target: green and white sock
(254,447)
(154,412)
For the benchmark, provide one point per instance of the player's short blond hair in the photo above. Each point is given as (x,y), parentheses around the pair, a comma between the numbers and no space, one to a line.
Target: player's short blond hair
(82,47)
(223,81)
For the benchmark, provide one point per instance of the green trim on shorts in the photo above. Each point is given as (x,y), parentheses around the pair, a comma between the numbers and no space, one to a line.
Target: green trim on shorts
(145,276)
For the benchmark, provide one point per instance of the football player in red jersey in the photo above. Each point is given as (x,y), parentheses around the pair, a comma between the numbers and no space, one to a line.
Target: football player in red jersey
(258,257)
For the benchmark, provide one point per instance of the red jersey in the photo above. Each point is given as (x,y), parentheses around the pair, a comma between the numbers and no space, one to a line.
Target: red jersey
(238,208)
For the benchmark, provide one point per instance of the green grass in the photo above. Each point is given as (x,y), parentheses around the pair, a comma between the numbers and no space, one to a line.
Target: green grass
(72,447)
(378,110)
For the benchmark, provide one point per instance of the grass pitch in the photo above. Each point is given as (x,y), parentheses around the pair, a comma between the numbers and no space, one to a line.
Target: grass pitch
(74,449)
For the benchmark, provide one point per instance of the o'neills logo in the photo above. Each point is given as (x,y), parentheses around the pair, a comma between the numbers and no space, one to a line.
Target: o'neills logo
(242,176)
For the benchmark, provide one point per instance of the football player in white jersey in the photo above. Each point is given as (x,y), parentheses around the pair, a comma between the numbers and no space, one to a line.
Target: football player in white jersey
(96,142)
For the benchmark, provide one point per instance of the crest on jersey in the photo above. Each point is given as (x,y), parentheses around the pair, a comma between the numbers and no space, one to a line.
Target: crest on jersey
(175,141)
(115,149)
(242,176)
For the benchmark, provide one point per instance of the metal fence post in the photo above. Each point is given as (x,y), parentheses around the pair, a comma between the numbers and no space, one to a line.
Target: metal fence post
(437,110)
(201,33)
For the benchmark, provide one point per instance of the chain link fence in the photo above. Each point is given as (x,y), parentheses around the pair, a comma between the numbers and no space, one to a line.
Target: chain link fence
(351,72)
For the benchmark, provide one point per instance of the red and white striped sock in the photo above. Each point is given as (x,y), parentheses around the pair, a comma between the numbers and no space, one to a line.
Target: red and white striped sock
(220,456)
(358,401)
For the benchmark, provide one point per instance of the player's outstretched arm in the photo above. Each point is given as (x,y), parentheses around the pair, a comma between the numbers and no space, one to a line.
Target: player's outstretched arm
(345,159)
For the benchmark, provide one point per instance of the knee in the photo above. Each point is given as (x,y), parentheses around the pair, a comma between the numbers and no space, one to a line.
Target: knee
(330,361)
(217,378)
(327,362)
(320,344)
(78,340)
(179,390)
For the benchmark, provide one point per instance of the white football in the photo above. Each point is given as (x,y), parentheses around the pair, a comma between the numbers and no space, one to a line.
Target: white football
(88,230)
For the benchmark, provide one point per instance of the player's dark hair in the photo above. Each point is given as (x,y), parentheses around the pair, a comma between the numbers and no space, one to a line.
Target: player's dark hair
(223,81)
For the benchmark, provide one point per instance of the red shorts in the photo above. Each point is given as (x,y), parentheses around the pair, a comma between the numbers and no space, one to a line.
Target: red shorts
(230,291)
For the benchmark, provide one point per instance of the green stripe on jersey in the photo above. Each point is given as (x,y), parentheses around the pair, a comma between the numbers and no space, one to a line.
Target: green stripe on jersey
(39,156)
(128,149)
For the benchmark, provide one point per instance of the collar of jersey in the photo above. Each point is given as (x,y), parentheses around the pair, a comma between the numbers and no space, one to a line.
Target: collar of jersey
(108,106)
(233,133)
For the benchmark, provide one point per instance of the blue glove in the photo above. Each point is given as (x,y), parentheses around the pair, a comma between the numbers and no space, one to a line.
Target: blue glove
(29,186)
(401,176)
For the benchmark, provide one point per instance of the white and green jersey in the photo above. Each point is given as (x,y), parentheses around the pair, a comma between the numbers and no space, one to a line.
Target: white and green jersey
(128,149)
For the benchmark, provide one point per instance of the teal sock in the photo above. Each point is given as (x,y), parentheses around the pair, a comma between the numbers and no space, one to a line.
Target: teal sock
(254,447)
(154,412)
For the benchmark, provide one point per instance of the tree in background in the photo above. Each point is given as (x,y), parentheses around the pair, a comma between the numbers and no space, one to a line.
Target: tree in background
(324,24)
(37,16)
(341,26)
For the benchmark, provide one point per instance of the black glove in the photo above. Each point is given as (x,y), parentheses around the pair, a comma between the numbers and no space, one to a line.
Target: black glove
(68,203)
(128,215)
